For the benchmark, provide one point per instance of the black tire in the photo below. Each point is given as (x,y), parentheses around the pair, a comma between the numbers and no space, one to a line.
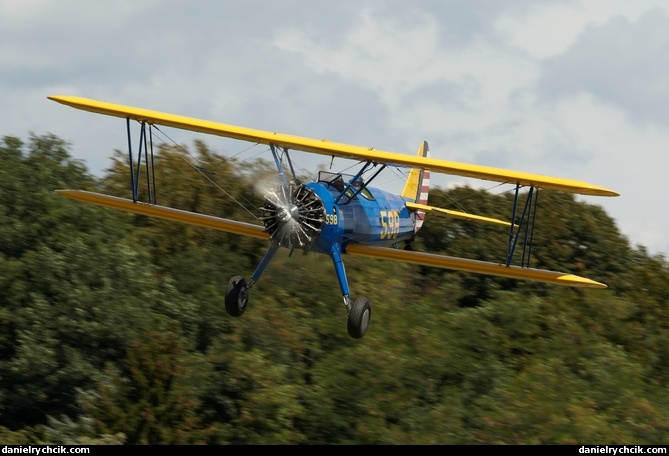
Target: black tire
(359,317)
(236,296)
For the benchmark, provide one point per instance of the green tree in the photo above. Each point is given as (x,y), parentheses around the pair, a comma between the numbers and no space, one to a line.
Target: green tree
(151,396)
(69,287)
(113,324)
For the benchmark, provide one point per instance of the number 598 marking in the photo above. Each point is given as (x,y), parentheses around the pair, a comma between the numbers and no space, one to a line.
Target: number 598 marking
(390,223)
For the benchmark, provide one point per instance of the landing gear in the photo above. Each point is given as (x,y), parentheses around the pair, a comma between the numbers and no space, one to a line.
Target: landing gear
(360,310)
(359,316)
(236,296)
(294,217)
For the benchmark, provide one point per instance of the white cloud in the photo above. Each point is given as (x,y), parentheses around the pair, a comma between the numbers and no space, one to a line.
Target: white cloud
(546,30)
(398,61)
(488,82)
(390,56)
(495,115)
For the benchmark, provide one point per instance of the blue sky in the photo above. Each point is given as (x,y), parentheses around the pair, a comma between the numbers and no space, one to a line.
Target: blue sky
(575,89)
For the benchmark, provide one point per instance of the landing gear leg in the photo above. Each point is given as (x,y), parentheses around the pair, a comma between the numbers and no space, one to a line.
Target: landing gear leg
(237,293)
(360,310)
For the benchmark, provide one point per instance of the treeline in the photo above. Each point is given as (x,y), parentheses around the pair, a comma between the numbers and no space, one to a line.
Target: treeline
(113,328)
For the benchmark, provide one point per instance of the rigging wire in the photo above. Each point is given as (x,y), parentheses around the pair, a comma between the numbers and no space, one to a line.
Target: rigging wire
(399,173)
(204,172)
(457,203)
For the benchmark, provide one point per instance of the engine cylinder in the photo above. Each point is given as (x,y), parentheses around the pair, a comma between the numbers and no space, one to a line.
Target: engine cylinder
(293,216)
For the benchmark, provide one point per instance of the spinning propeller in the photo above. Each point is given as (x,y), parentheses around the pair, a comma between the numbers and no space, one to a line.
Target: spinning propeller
(293,215)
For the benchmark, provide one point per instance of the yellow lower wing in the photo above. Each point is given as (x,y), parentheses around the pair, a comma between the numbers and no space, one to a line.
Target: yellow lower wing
(248,229)
(177,215)
(482,267)
(325,147)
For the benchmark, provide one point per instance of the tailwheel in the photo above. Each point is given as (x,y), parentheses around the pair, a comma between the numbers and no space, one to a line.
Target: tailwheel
(359,317)
(236,296)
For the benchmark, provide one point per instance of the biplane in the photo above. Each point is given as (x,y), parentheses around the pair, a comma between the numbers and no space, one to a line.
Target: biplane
(338,214)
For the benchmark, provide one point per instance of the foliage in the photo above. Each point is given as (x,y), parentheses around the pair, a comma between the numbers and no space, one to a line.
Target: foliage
(114,329)
(151,397)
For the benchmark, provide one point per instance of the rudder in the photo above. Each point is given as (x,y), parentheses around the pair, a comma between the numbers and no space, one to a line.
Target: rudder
(417,186)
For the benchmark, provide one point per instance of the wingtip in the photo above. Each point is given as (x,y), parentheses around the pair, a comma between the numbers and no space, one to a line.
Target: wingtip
(59,98)
(579,281)
(70,100)
(607,192)
(595,190)
(72,194)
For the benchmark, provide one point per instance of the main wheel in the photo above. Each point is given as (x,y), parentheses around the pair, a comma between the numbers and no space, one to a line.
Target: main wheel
(359,317)
(236,296)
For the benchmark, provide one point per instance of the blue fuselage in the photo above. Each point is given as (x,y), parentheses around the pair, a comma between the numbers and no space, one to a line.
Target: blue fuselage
(372,217)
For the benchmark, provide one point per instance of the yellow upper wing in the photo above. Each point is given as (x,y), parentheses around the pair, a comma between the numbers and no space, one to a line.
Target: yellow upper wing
(325,147)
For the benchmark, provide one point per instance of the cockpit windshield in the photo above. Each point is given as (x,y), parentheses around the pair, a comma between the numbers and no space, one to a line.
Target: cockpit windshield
(341,182)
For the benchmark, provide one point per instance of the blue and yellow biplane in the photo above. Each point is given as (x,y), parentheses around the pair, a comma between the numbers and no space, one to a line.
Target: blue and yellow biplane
(338,214)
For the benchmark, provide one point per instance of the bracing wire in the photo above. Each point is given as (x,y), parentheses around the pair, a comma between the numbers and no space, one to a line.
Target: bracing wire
(205,173)
(398,173)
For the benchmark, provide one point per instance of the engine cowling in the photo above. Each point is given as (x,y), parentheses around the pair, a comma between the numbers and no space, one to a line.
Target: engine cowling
(293,216)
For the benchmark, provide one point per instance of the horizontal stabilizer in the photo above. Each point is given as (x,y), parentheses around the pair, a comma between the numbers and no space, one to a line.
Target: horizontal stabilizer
(177,215)
(476,266)
(449,213)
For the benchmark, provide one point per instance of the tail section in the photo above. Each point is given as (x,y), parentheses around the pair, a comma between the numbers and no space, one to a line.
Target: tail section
(415,194)
(417,186)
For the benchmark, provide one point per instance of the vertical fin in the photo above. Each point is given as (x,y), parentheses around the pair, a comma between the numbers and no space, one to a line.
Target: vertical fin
(417,185)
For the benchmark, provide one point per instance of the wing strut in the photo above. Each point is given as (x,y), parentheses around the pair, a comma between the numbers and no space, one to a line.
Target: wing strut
(145,147)
(279,166)
(278,161)
(525,226)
